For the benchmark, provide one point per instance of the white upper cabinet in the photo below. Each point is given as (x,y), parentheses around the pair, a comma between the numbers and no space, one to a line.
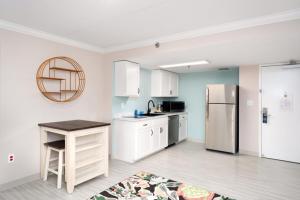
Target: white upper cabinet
(174,84)
(127,78)
(164,84)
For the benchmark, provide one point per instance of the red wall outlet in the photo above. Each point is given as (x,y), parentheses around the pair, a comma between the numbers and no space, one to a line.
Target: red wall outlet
(11,158)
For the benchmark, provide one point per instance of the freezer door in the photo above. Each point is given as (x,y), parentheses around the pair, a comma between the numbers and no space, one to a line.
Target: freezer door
(220,93)
(220,127)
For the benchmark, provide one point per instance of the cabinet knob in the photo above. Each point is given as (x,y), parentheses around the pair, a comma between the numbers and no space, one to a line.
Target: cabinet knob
(138,90)
(145,124)
(151,132)
(161,129)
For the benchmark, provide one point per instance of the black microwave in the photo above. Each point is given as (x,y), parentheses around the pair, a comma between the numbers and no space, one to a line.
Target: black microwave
(173,106)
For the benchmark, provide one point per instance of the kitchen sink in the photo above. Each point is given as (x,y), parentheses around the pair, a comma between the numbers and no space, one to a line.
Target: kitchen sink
(152,114)
(138,117)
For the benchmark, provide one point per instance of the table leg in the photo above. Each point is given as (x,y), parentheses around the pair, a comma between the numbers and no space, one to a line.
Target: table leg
(70,162)
(106,153)
(43,140)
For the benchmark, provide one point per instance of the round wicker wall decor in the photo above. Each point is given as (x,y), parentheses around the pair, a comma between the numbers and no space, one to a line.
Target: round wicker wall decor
(60,79)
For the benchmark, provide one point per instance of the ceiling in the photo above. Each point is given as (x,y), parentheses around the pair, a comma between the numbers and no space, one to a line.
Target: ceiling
(274,43)
(228,33)
(108,24)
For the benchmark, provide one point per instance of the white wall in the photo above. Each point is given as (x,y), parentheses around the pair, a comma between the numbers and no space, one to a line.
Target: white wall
(249,109)
(22,106)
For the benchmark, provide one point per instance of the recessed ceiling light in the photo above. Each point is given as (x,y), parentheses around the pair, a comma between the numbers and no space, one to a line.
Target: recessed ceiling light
(201,62)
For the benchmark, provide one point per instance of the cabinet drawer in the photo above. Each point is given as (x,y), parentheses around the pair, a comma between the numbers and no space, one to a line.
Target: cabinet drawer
(143,124)
(159,121)
(182,117)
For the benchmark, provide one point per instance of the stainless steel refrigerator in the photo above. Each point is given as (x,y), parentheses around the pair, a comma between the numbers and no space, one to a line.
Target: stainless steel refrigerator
(221,120)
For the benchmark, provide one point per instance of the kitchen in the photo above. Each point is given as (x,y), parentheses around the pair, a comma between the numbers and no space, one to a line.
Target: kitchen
(179,110)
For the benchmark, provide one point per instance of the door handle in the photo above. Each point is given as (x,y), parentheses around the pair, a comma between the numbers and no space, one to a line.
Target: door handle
(207,101)
(265,115)
(151,132)
(161,129)
(138,90)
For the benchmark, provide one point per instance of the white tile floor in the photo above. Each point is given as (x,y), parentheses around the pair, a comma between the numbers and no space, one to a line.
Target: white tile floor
(241,177)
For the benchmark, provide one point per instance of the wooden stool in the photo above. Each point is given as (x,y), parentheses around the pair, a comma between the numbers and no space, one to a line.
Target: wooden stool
(58,146)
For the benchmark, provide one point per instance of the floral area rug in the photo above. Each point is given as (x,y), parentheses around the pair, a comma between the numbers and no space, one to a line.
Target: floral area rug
(147,186)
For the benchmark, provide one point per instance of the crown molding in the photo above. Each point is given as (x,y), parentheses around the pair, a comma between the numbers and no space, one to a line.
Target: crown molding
(48,36)
(232,26)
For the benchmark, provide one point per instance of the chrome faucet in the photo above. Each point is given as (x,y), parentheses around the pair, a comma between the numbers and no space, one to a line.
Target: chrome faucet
(149,110)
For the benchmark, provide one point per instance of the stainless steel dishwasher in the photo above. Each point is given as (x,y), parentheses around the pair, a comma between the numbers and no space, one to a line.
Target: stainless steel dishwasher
(173,129)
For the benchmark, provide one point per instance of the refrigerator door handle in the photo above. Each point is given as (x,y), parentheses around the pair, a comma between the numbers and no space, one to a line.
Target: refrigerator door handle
(207,105)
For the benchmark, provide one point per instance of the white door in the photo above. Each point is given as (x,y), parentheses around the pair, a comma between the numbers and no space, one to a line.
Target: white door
(133,79)
(165,84)
(182,127)
(173,84)
(154,139)
(281,112)
(143,142)
(163,135)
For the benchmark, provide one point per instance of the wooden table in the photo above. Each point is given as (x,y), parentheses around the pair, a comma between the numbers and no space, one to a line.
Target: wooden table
(86,149)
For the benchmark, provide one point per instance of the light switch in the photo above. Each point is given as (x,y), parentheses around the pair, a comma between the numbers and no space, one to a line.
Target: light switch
(250,102)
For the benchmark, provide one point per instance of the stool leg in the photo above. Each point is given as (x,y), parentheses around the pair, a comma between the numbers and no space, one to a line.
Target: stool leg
(64,166)
(60,167)
(47,162)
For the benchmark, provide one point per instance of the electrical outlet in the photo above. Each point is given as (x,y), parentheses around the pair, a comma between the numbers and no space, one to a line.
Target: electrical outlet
(11,158)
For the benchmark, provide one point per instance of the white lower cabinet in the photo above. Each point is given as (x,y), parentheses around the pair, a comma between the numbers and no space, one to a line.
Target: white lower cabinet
(133,140)
(183,127)
(143,146)
(160,135)
(163,135)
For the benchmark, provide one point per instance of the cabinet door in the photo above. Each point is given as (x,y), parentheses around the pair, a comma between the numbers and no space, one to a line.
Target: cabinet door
(165,84)
(163,135)
(143,142)
(156,83)
(127,78)
(133,79)
(155,139)
(183,133)
(173,84)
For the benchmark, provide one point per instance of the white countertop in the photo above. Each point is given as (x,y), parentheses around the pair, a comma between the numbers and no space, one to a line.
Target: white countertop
(133,119)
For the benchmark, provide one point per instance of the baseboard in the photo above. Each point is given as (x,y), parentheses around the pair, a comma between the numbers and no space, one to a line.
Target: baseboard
(241,151)
(249,153)
(18,182)
(195,140)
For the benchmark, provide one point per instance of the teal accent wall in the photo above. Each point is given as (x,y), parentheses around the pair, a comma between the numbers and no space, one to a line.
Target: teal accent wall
(129,104)
(192,91)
